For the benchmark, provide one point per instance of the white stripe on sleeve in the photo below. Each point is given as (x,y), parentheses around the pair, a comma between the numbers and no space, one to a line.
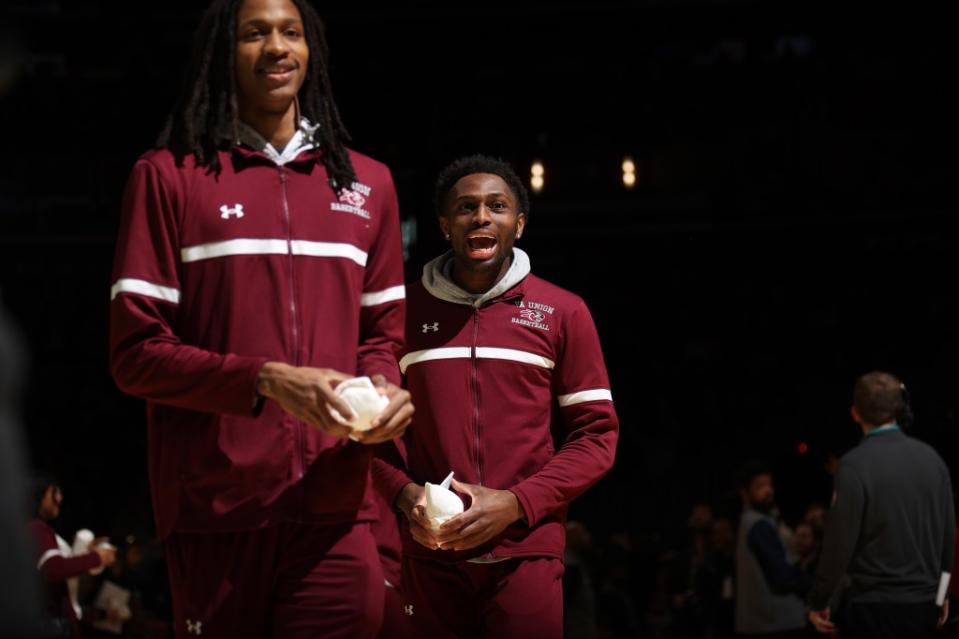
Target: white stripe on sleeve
(943,588)
(142,287)
(381,297)
(53,552)
(592,395)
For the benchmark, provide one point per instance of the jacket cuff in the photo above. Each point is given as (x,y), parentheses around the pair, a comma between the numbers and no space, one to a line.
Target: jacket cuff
(391,373)
(255,400)
(526,502)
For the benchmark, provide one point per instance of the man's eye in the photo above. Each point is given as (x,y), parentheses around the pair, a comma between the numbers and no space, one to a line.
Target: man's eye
(497,206)
(292,33)
(252,34)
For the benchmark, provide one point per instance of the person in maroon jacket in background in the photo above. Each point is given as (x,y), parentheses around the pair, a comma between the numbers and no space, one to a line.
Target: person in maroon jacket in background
(57,564)
(498,362)
(258,264)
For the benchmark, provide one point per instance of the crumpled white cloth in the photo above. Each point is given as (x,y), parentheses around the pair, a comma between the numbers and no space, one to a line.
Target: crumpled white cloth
(363,398)
(441,502)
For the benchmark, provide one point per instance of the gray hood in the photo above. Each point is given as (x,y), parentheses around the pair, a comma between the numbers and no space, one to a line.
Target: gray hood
(437,279)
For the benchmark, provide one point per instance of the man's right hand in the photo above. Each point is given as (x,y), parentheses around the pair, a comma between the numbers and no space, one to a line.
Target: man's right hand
(821,622)
(412,503)
(306,393)
(107,552)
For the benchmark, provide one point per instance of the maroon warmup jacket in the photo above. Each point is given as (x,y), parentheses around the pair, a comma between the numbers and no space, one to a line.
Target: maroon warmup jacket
(56,567)
(215,276)
(495,383)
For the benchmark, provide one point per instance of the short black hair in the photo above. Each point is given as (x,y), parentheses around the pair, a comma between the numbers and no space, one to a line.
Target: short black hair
(878,398)
(40,483)
(472,164)
(750,470)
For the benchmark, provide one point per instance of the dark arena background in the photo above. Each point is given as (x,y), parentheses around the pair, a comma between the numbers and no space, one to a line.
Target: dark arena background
(788,227)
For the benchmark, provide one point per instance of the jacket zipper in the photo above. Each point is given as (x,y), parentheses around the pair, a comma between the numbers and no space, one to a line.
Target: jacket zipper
(300,454)
(474,382)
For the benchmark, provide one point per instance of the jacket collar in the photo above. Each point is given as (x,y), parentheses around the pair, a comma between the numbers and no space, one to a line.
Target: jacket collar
(437,280)
(249,139)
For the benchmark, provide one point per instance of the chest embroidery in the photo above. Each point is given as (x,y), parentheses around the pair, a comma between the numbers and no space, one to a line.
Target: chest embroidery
(353,201)
(533,315)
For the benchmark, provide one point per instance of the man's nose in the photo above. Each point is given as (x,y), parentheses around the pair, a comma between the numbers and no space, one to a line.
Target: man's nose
(481,216)
(276,44)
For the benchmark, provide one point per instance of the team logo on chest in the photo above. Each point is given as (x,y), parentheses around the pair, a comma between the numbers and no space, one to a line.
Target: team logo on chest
(226,212)
(353,200)
(533,315)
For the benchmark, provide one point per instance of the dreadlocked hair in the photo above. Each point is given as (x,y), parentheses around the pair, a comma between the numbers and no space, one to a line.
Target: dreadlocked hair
(205,116)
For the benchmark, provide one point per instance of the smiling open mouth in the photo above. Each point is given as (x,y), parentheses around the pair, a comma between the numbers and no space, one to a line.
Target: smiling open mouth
(481,246)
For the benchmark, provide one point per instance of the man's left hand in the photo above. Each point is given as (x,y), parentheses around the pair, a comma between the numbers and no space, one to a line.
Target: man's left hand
(944,613)
(490,512)
(820,620)
(394,419)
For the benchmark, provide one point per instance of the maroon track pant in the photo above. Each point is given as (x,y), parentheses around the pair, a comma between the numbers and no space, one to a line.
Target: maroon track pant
(289,580)
(519,598)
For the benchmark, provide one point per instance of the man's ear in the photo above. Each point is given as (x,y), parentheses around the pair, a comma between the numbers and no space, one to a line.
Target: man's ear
(856,417)
(520,224)
(444,226)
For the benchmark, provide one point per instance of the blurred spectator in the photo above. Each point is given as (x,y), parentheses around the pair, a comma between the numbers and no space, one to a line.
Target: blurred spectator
(616,610)
(805,547)
(768,587)
(19,608)
(694,595)
(59,566)
(816,516)
(891,528)
(129,598)
(718,580)
(579,600)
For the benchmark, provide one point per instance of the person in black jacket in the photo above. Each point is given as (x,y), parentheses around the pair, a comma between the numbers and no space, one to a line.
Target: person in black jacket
(891,528)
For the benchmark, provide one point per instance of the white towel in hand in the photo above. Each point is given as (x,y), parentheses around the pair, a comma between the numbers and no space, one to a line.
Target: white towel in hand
(441,502)
(363,398)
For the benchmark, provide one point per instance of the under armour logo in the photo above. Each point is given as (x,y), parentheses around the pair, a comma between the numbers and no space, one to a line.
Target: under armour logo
(226,211)
(408,610)
(194,627)
(434,327)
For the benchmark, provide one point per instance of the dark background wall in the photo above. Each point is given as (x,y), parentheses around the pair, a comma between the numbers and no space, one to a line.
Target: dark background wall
(790,228)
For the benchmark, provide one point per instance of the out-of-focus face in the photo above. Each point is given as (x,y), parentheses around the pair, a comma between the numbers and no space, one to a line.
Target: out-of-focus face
(272,55)
(721,535)
(761,493)
(816,515)
(700,517)
(803,541)
(50,504)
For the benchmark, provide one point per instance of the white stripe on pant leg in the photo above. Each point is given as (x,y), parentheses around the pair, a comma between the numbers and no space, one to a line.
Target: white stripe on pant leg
(381,297)
(142,287)
(592,395)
